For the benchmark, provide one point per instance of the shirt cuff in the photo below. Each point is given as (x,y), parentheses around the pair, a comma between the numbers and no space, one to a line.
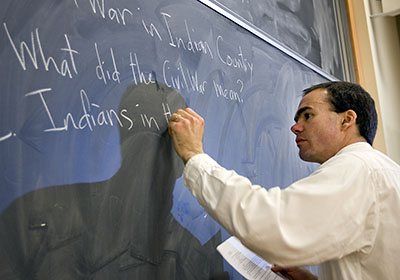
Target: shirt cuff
(196,166)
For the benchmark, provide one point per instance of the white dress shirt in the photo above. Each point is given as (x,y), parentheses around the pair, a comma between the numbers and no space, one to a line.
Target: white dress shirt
(345,216)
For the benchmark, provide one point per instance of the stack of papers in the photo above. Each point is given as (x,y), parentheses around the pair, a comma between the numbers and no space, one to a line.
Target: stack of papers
(246,262)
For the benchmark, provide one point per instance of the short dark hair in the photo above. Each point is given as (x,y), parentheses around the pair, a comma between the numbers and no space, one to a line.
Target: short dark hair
(349,96)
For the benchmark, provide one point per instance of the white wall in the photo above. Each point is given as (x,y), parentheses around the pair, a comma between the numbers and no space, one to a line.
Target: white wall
(385,48)
(391,7)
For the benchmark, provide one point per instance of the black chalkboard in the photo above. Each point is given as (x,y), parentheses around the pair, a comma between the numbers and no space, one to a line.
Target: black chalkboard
(308,27)
(90,186)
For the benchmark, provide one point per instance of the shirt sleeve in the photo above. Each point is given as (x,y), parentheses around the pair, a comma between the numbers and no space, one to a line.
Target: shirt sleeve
(324,216)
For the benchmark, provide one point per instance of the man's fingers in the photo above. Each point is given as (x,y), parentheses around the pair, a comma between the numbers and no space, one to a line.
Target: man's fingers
(189,114)
(179,114)
(175,117)
(193,113)
(184,115)
(186,130)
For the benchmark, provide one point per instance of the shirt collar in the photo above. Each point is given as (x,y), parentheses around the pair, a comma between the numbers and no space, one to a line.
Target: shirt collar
(358,146)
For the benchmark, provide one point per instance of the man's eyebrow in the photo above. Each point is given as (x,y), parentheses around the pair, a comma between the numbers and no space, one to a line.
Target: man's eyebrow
(300,111)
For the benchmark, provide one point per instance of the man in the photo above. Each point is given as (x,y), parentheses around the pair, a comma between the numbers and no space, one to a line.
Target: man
(343,217)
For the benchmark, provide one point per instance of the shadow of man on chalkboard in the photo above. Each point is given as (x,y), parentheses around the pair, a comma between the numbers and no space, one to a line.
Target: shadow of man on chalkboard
(121,228)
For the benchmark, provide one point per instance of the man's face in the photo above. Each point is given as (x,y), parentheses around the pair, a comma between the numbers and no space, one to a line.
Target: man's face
(317,128)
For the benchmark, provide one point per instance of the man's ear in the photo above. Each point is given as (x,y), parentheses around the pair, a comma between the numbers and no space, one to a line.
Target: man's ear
(349,119)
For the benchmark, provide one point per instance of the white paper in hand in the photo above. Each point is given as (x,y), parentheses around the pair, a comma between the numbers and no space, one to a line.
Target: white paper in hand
(247,263)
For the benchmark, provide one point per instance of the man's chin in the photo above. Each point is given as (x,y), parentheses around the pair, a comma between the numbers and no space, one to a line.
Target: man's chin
(310,158)
(306,157)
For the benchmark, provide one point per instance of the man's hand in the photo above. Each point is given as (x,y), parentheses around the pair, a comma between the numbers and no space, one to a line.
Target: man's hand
(294,273)
(186,128)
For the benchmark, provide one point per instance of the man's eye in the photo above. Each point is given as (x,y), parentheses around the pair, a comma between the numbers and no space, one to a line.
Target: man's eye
(307,116)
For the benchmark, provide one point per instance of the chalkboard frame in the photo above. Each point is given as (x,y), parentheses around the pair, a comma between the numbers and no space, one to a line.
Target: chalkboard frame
(340,17)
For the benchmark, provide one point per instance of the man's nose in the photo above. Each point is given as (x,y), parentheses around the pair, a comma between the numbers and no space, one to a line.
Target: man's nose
(296,128)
